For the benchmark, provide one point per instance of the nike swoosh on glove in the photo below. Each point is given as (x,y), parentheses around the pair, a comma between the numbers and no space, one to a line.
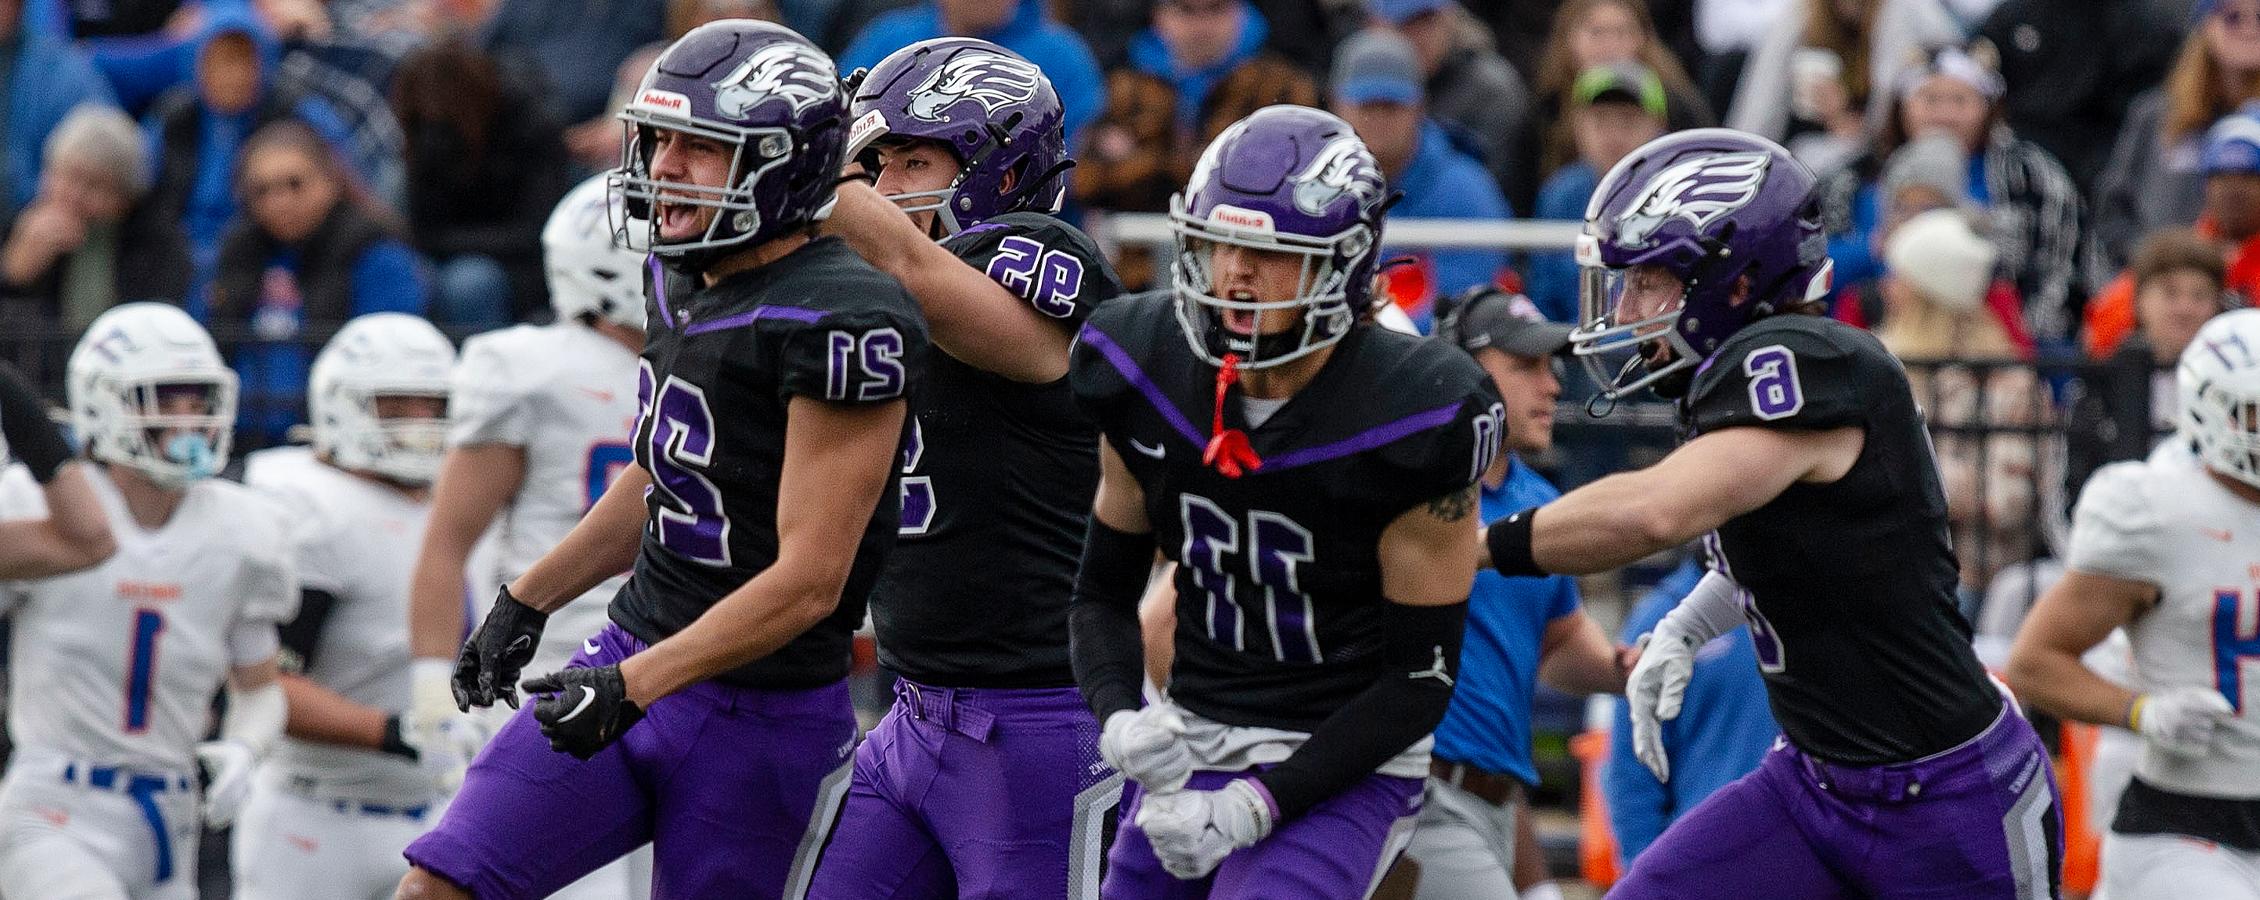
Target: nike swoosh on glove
(1193,831)
(1653,694)
(583,710)
(487,668)
(226,767)
(2180,720)
(1148,746)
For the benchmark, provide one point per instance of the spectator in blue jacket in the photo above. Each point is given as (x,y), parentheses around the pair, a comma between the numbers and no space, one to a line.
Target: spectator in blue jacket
(1018,25)
(310,253)
(197,129)
(575,44)
(1723,740)
(1378,90)
(41,79)
(1613,110)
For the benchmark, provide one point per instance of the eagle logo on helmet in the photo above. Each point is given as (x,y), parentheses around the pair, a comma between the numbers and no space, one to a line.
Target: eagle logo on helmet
(1699,190)
(788,70)
(991,79)
(1342,167)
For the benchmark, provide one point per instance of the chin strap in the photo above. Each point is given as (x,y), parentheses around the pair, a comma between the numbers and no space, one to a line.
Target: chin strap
(1228,449)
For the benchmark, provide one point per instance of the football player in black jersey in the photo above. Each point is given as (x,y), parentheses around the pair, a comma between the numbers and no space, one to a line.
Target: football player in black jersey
(985,780)
(713,712)
(1904,773)
(1311,474)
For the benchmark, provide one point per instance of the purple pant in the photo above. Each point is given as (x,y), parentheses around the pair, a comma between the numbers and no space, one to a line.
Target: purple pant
(1337,851)
(1977,822)
(984,793)
(721,780)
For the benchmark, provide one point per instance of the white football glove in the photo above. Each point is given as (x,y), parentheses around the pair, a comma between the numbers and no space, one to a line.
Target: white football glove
(446,739)
(1193,831)
(2179,720)
(227,769)
(1148,746)
(1653,692)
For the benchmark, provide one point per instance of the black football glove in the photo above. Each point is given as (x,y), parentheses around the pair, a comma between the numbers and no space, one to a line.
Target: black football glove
(487,668)
(25,430)
(583,710)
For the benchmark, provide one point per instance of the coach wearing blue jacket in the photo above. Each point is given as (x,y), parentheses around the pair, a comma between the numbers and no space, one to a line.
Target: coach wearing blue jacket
(1518,629)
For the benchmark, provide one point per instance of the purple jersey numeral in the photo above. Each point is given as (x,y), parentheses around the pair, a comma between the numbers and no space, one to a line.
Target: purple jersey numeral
(917,490)
(1049,280)
(2236,642)
(878,356)
(687,515)
(1774,391)
(1276,546)
(1763,639)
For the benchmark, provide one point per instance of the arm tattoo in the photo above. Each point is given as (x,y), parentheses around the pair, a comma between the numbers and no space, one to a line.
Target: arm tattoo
(1454,506)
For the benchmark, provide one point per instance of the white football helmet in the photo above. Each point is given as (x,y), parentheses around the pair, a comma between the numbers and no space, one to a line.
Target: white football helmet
(375,356)
(134,362)
(2220,393)
(588,273)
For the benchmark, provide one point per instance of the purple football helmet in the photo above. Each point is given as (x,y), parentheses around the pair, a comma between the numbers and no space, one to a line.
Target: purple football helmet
(994,110)
(1288,179)
(1708,206)
(764,91)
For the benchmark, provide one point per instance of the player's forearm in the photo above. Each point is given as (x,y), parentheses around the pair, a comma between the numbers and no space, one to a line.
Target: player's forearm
(875,228)
(74,535)
(1105,644)
(436,602)
(749,623)
(76,514)
(1617,521)
(2055,680)
(324,716)
(1582,661)
(602,545)
(1404,704)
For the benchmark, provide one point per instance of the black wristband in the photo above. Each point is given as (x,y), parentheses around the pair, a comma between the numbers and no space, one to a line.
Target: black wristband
(1509,540)
(32,439)
(396,741)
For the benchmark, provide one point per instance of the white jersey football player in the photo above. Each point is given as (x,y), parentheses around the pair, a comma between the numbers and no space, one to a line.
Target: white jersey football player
(2169,547)
(112,670)
(344,793)
(541,421)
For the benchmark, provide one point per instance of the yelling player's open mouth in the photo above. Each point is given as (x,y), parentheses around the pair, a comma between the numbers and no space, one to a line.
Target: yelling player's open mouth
(677,218)
(1241,321)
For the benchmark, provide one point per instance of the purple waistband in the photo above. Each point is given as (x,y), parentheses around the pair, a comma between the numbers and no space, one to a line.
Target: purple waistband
(2003,751)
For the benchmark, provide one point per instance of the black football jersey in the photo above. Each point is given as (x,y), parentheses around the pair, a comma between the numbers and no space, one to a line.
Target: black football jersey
(1279,576)
(996,486)
(719,366)
(1850,584)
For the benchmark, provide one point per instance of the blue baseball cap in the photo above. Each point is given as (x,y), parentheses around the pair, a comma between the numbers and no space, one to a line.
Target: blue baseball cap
(1377,65)
(2232,146)
(1398,12)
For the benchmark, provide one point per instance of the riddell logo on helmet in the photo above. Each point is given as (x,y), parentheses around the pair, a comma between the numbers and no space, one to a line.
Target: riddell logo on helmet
(664,102)
(1236,217)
